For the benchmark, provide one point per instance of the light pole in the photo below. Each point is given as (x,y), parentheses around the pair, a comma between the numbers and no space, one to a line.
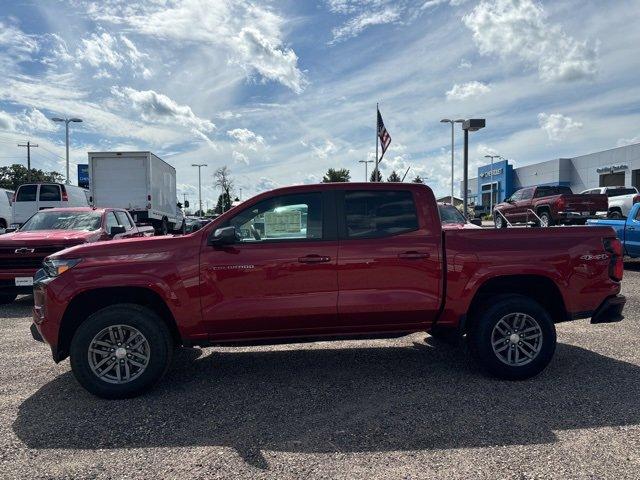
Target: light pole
(452,122)
(366,171)
(491,176)
(473,124)
(66,125)
(199,165)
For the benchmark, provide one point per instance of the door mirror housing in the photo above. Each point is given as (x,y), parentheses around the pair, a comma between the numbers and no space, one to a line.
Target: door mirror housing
(224,236)
(186,204)
(117,230)
(476,221)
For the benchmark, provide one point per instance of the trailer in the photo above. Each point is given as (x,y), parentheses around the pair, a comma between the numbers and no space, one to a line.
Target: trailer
(141,182)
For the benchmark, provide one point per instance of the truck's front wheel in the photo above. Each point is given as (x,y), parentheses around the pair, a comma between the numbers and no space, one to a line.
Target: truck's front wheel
(121,351)
(513,337)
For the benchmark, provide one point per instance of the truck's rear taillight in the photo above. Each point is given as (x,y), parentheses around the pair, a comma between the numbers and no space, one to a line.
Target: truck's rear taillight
(65,197)
(616,265)
(636,199)
(560,203)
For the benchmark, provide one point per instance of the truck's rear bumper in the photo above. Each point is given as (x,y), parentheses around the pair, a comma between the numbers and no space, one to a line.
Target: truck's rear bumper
(610,310)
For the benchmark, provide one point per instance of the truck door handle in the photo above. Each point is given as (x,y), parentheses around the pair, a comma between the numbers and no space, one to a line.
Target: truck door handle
(413,255)
(314,259)
(631,228)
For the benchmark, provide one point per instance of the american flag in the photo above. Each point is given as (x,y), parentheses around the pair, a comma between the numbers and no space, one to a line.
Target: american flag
(385,138)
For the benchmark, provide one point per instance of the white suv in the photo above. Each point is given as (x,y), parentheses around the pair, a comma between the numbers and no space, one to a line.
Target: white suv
(33,197)
(6,197)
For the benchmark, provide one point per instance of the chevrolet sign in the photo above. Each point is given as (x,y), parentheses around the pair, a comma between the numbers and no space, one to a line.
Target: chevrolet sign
(492,173)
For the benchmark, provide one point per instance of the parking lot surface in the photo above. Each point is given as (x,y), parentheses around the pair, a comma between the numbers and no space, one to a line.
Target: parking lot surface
(405,408)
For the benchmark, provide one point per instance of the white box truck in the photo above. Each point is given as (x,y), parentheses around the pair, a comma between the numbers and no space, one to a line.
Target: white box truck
(141,182)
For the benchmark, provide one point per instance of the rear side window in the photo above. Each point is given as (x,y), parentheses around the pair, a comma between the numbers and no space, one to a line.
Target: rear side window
(27,193)
(49,193)
(616,192)
(551,190)
(377,213)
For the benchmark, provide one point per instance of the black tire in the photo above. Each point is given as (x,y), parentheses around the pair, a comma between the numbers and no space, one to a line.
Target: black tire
(183,229)
(615,214)
(6,298)
(481,341)
(499,221)
(145,321)
(164,227)
(545,217)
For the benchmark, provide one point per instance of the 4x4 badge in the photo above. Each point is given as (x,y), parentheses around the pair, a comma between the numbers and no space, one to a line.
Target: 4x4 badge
(24,250)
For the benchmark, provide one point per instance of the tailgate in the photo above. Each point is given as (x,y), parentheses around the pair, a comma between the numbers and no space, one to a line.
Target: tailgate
(120,182)
(595,202)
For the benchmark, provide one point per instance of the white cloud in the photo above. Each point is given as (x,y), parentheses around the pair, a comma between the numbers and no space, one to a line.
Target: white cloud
(106,53)
(98,50)
(157,107)
(353,27)
(239,157)
(323,151)
(17,43)
(557,126)
(32,120)
(250,33)
(265,184)
(628,141)
(467,90)
(246,138)
(519,29)
(7,121)
(228,115)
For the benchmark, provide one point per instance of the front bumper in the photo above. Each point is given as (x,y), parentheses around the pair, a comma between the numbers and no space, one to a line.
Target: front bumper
(610,310)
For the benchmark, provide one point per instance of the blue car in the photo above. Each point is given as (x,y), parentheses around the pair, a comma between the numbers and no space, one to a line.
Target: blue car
(627,230)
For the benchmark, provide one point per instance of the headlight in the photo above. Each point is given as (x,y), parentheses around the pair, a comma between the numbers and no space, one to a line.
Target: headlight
(55,267)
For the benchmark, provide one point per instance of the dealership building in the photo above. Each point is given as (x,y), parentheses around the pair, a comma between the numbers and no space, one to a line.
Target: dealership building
(618,166)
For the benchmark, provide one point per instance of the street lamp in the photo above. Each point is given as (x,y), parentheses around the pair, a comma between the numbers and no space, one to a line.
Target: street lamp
(452,122)
(200,165)
(471,125)
(366,171)
(491,176)
(66,125)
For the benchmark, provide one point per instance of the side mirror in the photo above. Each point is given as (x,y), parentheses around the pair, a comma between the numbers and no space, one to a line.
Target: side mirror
(476,221)
(10,230)
(224,236)
(186,204)
(117,230)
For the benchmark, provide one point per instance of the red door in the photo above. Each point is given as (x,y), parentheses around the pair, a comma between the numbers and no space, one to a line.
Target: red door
(389,265)
(280,278)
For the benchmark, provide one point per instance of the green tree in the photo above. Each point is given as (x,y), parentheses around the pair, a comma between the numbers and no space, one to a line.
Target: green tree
(15,175)
(333,175)
(375,176)
(224,203)
(418,179)
(394,177)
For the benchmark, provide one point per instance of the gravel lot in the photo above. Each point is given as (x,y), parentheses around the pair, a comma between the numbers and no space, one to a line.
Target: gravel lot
(406,408)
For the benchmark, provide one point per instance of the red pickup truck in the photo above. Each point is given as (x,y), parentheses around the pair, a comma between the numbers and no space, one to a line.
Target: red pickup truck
(551,204)
(52,230)
(331,261)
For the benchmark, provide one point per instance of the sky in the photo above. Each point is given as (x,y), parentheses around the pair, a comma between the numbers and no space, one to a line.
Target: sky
(280,91)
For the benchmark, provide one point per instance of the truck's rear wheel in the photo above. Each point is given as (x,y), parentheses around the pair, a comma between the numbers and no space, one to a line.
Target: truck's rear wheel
(513,338)
(615,214)
(121,351)
(164,227)
(7,298)
(545,219)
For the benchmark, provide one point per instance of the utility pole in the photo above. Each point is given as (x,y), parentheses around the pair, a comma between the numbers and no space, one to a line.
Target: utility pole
(29,146)
(366,172)
(200,165)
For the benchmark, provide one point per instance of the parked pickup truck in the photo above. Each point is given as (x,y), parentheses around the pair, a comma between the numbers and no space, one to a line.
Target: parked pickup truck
(627,230)
(621,199)
(52,230)
(343,260)
(551,204)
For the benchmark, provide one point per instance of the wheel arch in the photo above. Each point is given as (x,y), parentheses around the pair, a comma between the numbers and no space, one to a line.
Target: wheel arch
(90,301)
(539,288)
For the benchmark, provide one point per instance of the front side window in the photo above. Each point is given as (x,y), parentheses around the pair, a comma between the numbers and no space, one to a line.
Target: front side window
(45,220)
(123,220)
(112,221)
(49,193)
(288,217)
(27,193)
(379,213)
(516,196)
(450,214)
(527,194)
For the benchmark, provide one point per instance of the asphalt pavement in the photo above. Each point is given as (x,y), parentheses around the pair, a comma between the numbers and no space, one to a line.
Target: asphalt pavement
(404,408)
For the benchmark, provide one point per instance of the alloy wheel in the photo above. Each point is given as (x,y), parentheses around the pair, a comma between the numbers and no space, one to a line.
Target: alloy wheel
(516,339)
(119,354)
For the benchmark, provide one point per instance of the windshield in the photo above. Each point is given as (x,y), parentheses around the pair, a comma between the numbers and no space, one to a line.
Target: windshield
(450,214)
(62,221)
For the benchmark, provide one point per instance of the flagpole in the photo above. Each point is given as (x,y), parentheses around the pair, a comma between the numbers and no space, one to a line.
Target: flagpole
(375,174)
